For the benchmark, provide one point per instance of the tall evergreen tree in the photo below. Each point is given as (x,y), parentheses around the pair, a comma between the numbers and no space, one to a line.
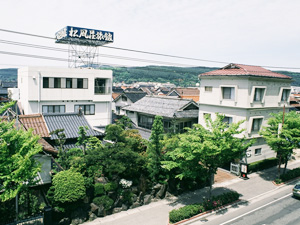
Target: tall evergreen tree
(154,150)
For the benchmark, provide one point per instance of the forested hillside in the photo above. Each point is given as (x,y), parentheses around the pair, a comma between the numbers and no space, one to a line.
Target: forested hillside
(180,76)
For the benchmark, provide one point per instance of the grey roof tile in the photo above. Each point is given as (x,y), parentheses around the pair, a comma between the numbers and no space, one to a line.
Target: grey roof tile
(165,106)
(70,122)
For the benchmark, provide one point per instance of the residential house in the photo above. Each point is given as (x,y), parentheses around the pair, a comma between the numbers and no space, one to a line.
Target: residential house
(66,90)
(177,113)
(126,98)
(243,92)
(70,122)
(187,93)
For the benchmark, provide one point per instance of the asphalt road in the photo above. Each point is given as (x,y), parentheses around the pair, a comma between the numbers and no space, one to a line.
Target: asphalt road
(276,207)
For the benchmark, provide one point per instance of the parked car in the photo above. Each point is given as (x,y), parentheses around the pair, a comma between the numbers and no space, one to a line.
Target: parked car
(296,190)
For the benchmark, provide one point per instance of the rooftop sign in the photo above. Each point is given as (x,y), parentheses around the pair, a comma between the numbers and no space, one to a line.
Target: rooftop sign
(83,36)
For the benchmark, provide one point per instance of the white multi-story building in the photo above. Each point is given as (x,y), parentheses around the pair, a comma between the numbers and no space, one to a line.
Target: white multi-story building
(60,90)
(242,92)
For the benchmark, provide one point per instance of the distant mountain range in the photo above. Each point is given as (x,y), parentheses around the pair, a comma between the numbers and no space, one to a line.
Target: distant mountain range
(180,76)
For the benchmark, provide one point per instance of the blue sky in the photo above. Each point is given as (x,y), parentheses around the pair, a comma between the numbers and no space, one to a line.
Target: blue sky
(257,32)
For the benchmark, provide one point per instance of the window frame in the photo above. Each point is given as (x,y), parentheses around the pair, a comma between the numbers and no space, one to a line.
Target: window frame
(103,87)
(282,90)
(84,109)
(52,107)
(208,88)
(257,153)
(253,94)
(252,119)
(234,92)
(45,81)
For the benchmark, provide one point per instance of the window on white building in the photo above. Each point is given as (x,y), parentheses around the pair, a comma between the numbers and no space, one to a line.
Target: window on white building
(57,82)
(86,109)
(208,88)
(45,82)
(259,94)
(228,93)
(124,98)
(53,108)
(227,120)
(285,95)
(256,124)
(69,83)
(100,87)
(257,151)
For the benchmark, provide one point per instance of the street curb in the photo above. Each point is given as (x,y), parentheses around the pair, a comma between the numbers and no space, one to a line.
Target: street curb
(286,182)
(204,213)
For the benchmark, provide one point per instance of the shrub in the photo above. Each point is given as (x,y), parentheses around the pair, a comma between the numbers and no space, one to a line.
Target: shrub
(68,186)
(105,201)
(263,164)
(291,174)
(99,189)
(194,209)
(110,186)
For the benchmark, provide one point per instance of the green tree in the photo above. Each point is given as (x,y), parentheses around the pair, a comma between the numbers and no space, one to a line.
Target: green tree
(17,165)
(208,148)
(154,149)
(68,186)
(282,141)
(82,139)
(60,141)
(5,106)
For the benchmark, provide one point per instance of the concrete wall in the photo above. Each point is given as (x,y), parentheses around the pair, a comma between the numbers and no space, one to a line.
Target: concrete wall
(33,96)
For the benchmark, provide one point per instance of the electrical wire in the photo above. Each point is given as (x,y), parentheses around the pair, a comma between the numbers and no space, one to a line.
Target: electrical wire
(151,53)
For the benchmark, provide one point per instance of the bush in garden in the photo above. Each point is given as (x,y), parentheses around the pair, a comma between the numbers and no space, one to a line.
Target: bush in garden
(209,204)
(105,201)
(110,186)
(99,189)
(68,186)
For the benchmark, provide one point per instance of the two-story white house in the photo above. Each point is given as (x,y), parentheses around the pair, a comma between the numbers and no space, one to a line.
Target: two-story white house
(63,90)
(243,92)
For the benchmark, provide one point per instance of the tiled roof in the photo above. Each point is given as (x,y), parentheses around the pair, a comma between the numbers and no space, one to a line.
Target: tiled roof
(135,96)
(187,93)
(165,106)
(244,70)
(115,95)
(36,122)
(9,84)
(70,122)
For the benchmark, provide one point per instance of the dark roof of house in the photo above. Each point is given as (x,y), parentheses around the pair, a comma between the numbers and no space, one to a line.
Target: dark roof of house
(165,106)
(3,91)
(70,122)
(132,95)
(244,70)
(135,96)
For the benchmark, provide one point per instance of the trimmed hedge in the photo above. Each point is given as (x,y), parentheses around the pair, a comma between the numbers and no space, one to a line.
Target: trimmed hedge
(263,164)
(291,174)
(189,211)
(105,201)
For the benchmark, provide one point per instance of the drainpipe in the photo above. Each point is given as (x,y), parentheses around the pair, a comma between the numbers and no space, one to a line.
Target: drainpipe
(39,91)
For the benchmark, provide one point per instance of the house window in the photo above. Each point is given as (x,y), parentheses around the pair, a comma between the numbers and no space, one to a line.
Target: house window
(227,120)
(256,124)
(259,94)
(145,121)
(124,98)
(99,86)
(228,93)
(208,88)
(69,83)
(86,109)
(53,108)
(45,82)
(285,95)
(257,151)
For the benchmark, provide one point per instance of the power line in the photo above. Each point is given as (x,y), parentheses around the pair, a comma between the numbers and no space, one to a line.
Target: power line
(152,53)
